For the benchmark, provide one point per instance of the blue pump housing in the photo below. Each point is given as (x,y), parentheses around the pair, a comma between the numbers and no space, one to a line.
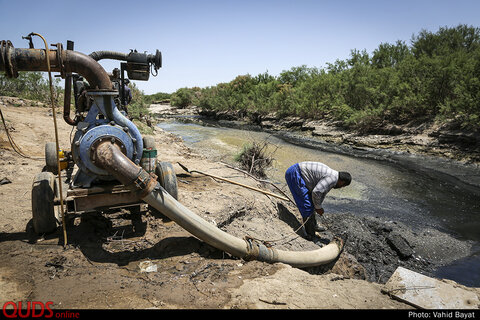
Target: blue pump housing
(103,122)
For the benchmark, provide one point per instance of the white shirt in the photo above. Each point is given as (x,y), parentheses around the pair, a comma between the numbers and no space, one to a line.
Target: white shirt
(319,180)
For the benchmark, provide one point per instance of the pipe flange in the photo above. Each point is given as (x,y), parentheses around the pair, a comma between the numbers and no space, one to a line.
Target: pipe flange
(112,139)
(60,59)
(2,54)
(7,52)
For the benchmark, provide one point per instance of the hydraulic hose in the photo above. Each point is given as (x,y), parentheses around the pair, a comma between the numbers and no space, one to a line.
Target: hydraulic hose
(109,157)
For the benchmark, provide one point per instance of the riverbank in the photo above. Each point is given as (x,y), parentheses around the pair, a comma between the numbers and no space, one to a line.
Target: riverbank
(375,230)
(101,266)
(451,153)
(422,138)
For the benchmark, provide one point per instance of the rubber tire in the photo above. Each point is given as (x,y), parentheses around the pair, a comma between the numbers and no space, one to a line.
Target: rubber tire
(51,157)
(43,193)
(167,178)
(149,142)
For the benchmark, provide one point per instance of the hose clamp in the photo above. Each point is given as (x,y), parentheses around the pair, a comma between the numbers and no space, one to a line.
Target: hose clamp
(144,183)
(259,251)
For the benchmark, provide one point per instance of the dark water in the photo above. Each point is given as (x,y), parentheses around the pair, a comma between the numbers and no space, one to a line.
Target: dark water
(417,191)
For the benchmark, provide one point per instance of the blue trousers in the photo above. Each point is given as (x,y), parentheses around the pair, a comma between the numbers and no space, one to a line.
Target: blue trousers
(301,195)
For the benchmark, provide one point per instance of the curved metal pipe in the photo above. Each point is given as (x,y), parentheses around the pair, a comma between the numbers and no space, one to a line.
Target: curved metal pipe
(105,54)
(107,106)
(66,101)
(134,57)
(110,157)
(68,61)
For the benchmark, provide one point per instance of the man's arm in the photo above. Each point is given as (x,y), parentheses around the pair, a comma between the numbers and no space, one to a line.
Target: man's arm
(320,191)
(317,199)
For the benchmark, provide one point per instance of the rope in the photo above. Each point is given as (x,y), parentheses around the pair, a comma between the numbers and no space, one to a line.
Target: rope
(12,142)
(324,220)
(268,244)
(47,54)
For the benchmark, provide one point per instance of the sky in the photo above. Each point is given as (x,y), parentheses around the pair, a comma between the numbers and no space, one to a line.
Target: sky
(206,42)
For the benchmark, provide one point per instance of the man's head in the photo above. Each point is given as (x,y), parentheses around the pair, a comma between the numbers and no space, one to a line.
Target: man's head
(116,73)
(344,179)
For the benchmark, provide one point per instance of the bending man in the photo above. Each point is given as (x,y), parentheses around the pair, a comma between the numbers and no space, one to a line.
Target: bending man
(309,182)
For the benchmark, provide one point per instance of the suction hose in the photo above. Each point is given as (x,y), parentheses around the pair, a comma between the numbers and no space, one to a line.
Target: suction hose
(109,156)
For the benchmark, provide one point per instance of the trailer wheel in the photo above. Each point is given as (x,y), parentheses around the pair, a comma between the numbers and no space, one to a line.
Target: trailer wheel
(167,178)
(43,192)
(51,157)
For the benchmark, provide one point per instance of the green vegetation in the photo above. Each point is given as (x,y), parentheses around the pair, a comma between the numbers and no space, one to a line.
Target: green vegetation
(140,102)
(157,97)
(436,78)
(29,85)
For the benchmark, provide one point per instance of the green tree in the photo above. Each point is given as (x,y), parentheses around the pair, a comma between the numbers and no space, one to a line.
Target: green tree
(182,98)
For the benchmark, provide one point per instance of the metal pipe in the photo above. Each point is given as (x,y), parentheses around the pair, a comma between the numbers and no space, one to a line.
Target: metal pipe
(105,54)
(132,57)
(68,61)
(67,100)
(109,156)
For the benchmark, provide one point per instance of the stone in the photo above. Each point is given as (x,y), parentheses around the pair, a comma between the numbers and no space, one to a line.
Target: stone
(399,245)
(428,293)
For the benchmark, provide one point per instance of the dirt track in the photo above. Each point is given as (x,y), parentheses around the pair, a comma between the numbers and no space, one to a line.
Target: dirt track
(100,267)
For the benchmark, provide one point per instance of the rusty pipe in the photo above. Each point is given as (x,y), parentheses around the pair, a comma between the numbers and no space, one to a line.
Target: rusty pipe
(65,61)
(109,156)
(99,55)
(67,101)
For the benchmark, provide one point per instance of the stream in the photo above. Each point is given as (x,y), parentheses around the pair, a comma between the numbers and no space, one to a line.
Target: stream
(417,191)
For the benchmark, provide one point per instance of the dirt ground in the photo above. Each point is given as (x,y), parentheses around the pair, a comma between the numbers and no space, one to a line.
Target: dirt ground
(101,266)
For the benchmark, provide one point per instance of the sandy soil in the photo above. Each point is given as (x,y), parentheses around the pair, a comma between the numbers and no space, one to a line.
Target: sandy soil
(100,267)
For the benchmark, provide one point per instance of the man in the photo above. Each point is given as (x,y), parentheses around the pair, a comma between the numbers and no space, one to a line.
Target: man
(127,95)
(309,182)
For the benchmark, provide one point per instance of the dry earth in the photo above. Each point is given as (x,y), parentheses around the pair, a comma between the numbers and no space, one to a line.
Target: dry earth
(100,267)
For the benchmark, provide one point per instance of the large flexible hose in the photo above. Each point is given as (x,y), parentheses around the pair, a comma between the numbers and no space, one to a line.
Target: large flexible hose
(110,157)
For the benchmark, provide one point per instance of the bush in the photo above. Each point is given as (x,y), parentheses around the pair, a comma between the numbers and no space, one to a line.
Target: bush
(255,158)
(29,85)
(434,79)
(182,98)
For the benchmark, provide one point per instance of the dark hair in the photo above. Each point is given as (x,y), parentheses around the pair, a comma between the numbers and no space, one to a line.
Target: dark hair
(345,177)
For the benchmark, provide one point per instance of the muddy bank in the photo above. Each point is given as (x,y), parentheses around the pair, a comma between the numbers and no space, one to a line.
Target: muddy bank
(441,151)
(379,244)
(423,138)
(101,267)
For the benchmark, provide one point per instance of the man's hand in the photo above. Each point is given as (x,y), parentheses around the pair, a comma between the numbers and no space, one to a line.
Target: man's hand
(320,211)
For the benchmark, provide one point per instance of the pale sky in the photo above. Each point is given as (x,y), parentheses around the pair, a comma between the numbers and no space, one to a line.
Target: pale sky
(206,42)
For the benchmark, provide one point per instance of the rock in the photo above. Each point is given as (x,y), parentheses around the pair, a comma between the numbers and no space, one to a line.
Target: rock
(147,266)
(291,122)
(348,266)
(428,293)
(5,181)
(267,124)
(400,245)
(272,116)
